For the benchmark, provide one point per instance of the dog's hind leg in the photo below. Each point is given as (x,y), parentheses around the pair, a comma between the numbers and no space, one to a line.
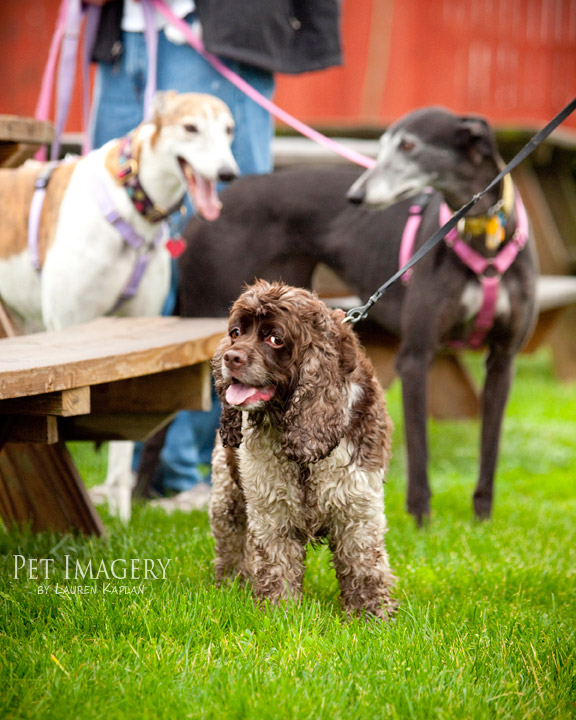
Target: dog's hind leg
(499,369)
(120,479)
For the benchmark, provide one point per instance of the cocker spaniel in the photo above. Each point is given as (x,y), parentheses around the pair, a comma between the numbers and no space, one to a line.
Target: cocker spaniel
(304,446)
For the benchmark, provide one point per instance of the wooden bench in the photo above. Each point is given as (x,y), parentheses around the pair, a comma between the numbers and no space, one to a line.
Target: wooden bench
(110,379)
(21,137)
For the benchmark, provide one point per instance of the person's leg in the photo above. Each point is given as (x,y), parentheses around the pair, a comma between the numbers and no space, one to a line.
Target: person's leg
(181,68)
(117,104)
(190,438)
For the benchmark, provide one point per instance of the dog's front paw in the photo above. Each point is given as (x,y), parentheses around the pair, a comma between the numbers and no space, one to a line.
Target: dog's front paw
(382,609)
(225,574)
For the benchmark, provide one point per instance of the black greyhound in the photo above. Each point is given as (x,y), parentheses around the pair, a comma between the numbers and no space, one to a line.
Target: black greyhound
(282,225)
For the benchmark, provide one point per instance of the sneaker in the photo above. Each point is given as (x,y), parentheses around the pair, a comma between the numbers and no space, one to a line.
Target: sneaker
(196,498)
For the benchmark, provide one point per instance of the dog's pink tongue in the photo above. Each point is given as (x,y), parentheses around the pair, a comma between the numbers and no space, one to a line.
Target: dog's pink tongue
(240,394)
(205,197)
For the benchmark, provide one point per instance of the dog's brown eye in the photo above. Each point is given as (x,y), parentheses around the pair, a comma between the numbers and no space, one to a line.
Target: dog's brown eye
(234,333)
(406,145)
(230,130)
(191,128)
(275,341)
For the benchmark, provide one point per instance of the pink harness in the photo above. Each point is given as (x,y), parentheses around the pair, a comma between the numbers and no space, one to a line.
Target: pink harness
(489,271)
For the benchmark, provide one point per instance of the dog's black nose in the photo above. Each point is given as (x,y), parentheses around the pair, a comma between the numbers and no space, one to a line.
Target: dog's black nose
(227,173)
(356,196)
(234,359)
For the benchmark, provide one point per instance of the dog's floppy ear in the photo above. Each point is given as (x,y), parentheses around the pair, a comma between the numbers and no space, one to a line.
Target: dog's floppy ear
(231,426)
(313,423)
(230,418)
(474,135)
(347,342)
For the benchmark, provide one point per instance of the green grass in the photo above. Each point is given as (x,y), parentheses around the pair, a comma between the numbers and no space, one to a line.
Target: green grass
(486,626)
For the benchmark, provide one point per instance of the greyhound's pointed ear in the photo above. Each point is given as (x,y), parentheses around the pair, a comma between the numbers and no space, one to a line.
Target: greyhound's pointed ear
(474,136)
(157,110)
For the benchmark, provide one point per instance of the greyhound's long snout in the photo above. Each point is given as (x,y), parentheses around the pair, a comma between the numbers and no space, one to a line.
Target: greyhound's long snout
(356,195)
(227,173)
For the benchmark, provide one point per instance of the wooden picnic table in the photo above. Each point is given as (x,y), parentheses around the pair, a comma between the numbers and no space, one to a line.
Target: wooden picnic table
(109,379)
(21,137)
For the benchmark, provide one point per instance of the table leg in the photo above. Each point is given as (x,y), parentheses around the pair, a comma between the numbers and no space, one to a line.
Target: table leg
(40,484)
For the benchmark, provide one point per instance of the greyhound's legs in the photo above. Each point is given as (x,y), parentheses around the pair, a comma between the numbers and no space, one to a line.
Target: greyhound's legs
(413,370)
(499,369)
(120,479)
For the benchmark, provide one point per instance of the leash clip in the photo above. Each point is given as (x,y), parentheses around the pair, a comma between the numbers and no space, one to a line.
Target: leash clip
(356,314)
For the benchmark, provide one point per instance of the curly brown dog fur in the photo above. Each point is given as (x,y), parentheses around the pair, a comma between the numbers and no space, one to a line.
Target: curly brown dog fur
(305,443)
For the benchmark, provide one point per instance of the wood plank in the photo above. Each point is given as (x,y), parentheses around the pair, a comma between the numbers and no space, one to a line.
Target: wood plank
(15,128)
(40,485)
(563,342)
(186,388)
(33,429)
(451,392)
(555,291)
(552,253)
(541,333)
(64,403)
(114,426)
(14,154)
(104,350)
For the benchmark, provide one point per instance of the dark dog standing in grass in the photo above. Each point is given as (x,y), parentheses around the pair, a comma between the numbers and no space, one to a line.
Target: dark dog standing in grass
(282,226)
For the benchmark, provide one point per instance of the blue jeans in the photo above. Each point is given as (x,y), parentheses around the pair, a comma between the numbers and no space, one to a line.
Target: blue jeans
(117,109)
(119,96)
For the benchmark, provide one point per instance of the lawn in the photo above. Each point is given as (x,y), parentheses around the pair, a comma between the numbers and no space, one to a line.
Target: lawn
(486,626)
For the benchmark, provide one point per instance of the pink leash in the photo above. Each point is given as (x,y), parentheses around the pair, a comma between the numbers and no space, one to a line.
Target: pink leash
(67,35)
(409,236)
(65,42)
(43,106)
(253,94)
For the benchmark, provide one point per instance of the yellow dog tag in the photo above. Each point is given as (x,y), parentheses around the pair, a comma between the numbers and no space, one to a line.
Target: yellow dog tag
(494,233)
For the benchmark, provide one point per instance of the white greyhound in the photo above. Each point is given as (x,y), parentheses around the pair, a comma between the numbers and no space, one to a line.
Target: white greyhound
(90,241)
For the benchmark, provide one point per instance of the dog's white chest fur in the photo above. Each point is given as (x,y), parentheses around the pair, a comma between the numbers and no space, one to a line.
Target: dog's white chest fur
(473,296)
(335,488)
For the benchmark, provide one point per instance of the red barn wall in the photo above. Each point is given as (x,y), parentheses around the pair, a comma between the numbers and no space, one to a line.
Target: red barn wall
(513,61)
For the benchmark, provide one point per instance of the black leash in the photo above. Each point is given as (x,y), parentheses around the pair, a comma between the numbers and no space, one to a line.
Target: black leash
(359,313)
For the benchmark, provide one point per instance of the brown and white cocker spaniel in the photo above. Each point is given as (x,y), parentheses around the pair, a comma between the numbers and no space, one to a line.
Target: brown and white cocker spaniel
(305,443)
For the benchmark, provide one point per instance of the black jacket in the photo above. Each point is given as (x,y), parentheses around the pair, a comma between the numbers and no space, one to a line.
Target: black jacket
(286,36)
